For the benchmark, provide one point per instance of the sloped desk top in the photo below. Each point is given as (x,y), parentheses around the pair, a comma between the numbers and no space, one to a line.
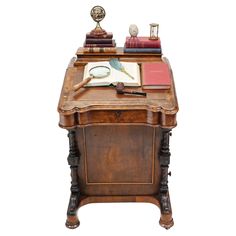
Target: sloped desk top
(103,105)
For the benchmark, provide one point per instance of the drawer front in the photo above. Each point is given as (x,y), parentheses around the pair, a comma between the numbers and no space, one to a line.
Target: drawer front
(113,116)
(118,116)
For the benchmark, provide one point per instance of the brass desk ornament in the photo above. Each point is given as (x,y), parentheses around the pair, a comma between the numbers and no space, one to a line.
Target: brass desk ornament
(98,13)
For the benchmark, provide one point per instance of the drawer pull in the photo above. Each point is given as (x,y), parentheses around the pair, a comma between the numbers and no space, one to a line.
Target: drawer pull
(118,114)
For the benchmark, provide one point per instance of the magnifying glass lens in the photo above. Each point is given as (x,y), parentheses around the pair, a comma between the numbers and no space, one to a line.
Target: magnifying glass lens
(99,71)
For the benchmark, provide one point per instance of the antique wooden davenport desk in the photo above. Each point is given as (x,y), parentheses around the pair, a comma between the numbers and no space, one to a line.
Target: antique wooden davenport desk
(119,144)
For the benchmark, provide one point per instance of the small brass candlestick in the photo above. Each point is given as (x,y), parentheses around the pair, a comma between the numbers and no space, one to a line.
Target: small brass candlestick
(98,13)
(154,28)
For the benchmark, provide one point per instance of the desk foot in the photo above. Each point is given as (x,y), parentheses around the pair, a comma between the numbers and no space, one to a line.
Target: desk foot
(72,221)
(166,219)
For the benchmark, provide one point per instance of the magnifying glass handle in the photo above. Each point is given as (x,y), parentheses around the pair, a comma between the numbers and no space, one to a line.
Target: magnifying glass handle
(82,83)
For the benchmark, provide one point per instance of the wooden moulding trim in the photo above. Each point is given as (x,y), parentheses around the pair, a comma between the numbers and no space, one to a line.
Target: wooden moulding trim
(163,120)
(68,121)
(82,61)
(97,124)
(119,53)
(70,110)
(96,199)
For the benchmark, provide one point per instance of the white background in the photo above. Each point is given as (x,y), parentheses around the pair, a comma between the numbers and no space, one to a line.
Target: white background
(37,40)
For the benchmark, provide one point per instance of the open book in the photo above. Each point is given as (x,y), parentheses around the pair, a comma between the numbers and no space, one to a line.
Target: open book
(115,76)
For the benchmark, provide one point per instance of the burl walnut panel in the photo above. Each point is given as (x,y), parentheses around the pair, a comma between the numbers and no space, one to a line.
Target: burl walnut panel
(119,159)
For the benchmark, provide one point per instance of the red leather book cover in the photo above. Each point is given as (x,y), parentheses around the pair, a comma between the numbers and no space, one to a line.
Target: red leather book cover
(155,75)
(142,42)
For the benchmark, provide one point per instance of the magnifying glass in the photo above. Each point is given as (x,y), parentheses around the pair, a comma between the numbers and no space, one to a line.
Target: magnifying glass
(97,72)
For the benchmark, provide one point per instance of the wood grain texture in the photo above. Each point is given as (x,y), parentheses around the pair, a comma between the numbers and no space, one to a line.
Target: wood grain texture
(119,160)
(106,152)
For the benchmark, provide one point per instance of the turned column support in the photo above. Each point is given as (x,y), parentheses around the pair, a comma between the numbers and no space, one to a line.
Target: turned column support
(164,160)
(166,213)
(73,160)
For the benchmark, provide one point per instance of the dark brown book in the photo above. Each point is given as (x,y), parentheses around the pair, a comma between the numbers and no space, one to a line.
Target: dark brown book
(99,41)
(95,45)
(107,36)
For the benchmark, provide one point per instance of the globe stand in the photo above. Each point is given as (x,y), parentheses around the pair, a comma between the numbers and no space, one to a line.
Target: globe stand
(98,31)
(98,13)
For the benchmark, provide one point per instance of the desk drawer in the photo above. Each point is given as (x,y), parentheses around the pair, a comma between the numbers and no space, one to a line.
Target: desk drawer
(113,116)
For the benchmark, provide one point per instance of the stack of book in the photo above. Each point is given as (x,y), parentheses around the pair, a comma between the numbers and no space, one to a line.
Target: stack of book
(142,45)
(104,43)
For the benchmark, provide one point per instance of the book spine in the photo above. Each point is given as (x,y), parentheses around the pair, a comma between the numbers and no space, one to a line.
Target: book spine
(108,36)
(95,45)
(99,50)
(140,43)
(99,41)
(143,50)
(156,87)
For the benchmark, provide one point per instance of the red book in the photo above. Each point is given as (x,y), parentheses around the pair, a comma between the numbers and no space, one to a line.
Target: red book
(155,75)
(142,42)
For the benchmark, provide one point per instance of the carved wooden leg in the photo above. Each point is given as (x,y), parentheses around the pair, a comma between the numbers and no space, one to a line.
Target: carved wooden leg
(72,221)
(166,219)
